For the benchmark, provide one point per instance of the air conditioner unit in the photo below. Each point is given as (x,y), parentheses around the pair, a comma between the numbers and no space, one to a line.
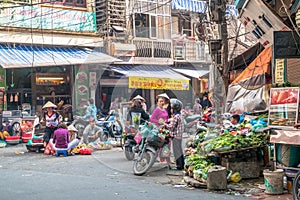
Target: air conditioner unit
(119,49)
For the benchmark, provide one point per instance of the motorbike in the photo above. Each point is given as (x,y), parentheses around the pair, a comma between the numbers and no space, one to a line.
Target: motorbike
(152,140)
(112,127)
(129,142)
(190,122)
(208,115)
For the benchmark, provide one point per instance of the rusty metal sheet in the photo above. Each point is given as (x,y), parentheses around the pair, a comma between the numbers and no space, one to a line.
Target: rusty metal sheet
(285,137)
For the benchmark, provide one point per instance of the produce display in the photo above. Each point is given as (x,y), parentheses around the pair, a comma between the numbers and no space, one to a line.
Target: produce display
(201,148)
(197,166)
(100,145)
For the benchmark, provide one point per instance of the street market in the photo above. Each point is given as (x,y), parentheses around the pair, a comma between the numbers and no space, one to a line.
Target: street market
(201,96)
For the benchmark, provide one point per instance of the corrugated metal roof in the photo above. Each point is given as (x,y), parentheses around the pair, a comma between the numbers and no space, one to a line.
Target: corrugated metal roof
(19,56)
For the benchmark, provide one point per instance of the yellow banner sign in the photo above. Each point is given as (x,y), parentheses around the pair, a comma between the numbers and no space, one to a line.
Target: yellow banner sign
(157,83)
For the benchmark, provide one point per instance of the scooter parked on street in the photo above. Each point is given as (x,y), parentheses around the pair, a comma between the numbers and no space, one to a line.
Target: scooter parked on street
(152,140)
(129,142)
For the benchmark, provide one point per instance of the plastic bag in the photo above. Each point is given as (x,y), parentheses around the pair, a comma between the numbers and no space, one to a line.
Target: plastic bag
(49,150)
(165,151)
(138,138)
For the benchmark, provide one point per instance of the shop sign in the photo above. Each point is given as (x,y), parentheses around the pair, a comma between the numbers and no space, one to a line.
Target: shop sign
(286,44)
(157,83)
(81,88)
(280,70)
(47,19)
(283,109)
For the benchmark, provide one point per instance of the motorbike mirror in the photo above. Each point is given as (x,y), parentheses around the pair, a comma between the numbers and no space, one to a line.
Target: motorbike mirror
(36,122)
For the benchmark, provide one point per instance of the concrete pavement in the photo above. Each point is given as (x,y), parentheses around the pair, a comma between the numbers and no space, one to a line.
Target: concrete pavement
(110,166)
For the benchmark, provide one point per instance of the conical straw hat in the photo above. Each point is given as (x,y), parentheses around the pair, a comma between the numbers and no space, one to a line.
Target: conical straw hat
(72,128)
(49,104)
(139,97)
(163,95)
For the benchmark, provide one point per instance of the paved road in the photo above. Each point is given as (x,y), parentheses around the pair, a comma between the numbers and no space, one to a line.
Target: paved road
(103,175)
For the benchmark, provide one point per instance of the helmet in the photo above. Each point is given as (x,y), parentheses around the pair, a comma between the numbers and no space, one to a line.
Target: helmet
(176,105)
(197,100)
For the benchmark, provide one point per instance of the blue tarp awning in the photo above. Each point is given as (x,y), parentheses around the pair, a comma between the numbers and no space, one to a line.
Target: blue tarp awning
(20,56)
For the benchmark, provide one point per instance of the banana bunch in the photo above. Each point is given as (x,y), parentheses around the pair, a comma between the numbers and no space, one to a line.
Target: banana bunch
(78,147)
(3,134)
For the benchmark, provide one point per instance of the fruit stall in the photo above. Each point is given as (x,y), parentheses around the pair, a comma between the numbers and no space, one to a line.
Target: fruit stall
(241,151)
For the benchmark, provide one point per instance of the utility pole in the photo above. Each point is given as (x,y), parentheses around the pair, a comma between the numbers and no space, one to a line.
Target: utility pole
(219,52)
(224,69)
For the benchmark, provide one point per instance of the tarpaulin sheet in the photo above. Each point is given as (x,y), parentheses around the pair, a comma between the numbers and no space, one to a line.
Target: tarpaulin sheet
(249,91)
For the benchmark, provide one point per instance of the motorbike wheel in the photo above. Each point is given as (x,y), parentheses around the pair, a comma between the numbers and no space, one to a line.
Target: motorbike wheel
(103,137)
(16,129)
(296,187)
(143,163)
(129,154)
(117,128)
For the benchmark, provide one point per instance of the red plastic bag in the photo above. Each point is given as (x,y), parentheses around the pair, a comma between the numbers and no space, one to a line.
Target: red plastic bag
(85,151)
(49,150)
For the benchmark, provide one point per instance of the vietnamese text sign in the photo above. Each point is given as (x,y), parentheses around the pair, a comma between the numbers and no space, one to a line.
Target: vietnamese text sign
(81,88)
(280,70)
(48,19)
(157,83)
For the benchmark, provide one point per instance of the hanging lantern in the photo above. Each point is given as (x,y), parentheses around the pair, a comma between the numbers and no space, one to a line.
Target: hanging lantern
(17,97)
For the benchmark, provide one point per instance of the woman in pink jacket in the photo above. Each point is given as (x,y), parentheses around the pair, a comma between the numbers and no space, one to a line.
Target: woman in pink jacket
(160,117)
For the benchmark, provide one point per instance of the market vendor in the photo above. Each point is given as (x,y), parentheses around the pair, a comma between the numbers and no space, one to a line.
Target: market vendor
(91,132)
(52,118)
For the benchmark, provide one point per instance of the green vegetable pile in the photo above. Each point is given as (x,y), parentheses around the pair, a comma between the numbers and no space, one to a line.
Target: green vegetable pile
(199,165)
(227,141)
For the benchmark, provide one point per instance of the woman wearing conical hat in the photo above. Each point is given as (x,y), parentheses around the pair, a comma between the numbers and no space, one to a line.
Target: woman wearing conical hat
(139,97)
(52,119)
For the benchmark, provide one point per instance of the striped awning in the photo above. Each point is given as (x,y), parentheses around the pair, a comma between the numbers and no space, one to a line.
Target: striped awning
(20,56)
(200,7)
(150,71)
(190,5)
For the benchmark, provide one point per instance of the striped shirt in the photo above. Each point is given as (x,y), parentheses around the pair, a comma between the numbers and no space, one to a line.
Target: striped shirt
(176,126)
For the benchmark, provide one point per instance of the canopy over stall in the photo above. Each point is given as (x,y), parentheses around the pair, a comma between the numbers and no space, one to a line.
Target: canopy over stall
(249,91)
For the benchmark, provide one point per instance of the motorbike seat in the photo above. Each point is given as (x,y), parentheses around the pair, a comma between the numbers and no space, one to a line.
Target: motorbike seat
(192,118)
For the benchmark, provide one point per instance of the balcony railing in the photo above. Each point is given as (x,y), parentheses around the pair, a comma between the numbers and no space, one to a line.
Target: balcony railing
(153,48)
(190,51)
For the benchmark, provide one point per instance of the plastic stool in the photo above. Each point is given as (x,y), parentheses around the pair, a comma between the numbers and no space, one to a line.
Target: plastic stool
(61,151)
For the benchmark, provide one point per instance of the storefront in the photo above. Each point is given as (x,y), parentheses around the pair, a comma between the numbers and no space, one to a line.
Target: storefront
(36,74)
(145,80)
